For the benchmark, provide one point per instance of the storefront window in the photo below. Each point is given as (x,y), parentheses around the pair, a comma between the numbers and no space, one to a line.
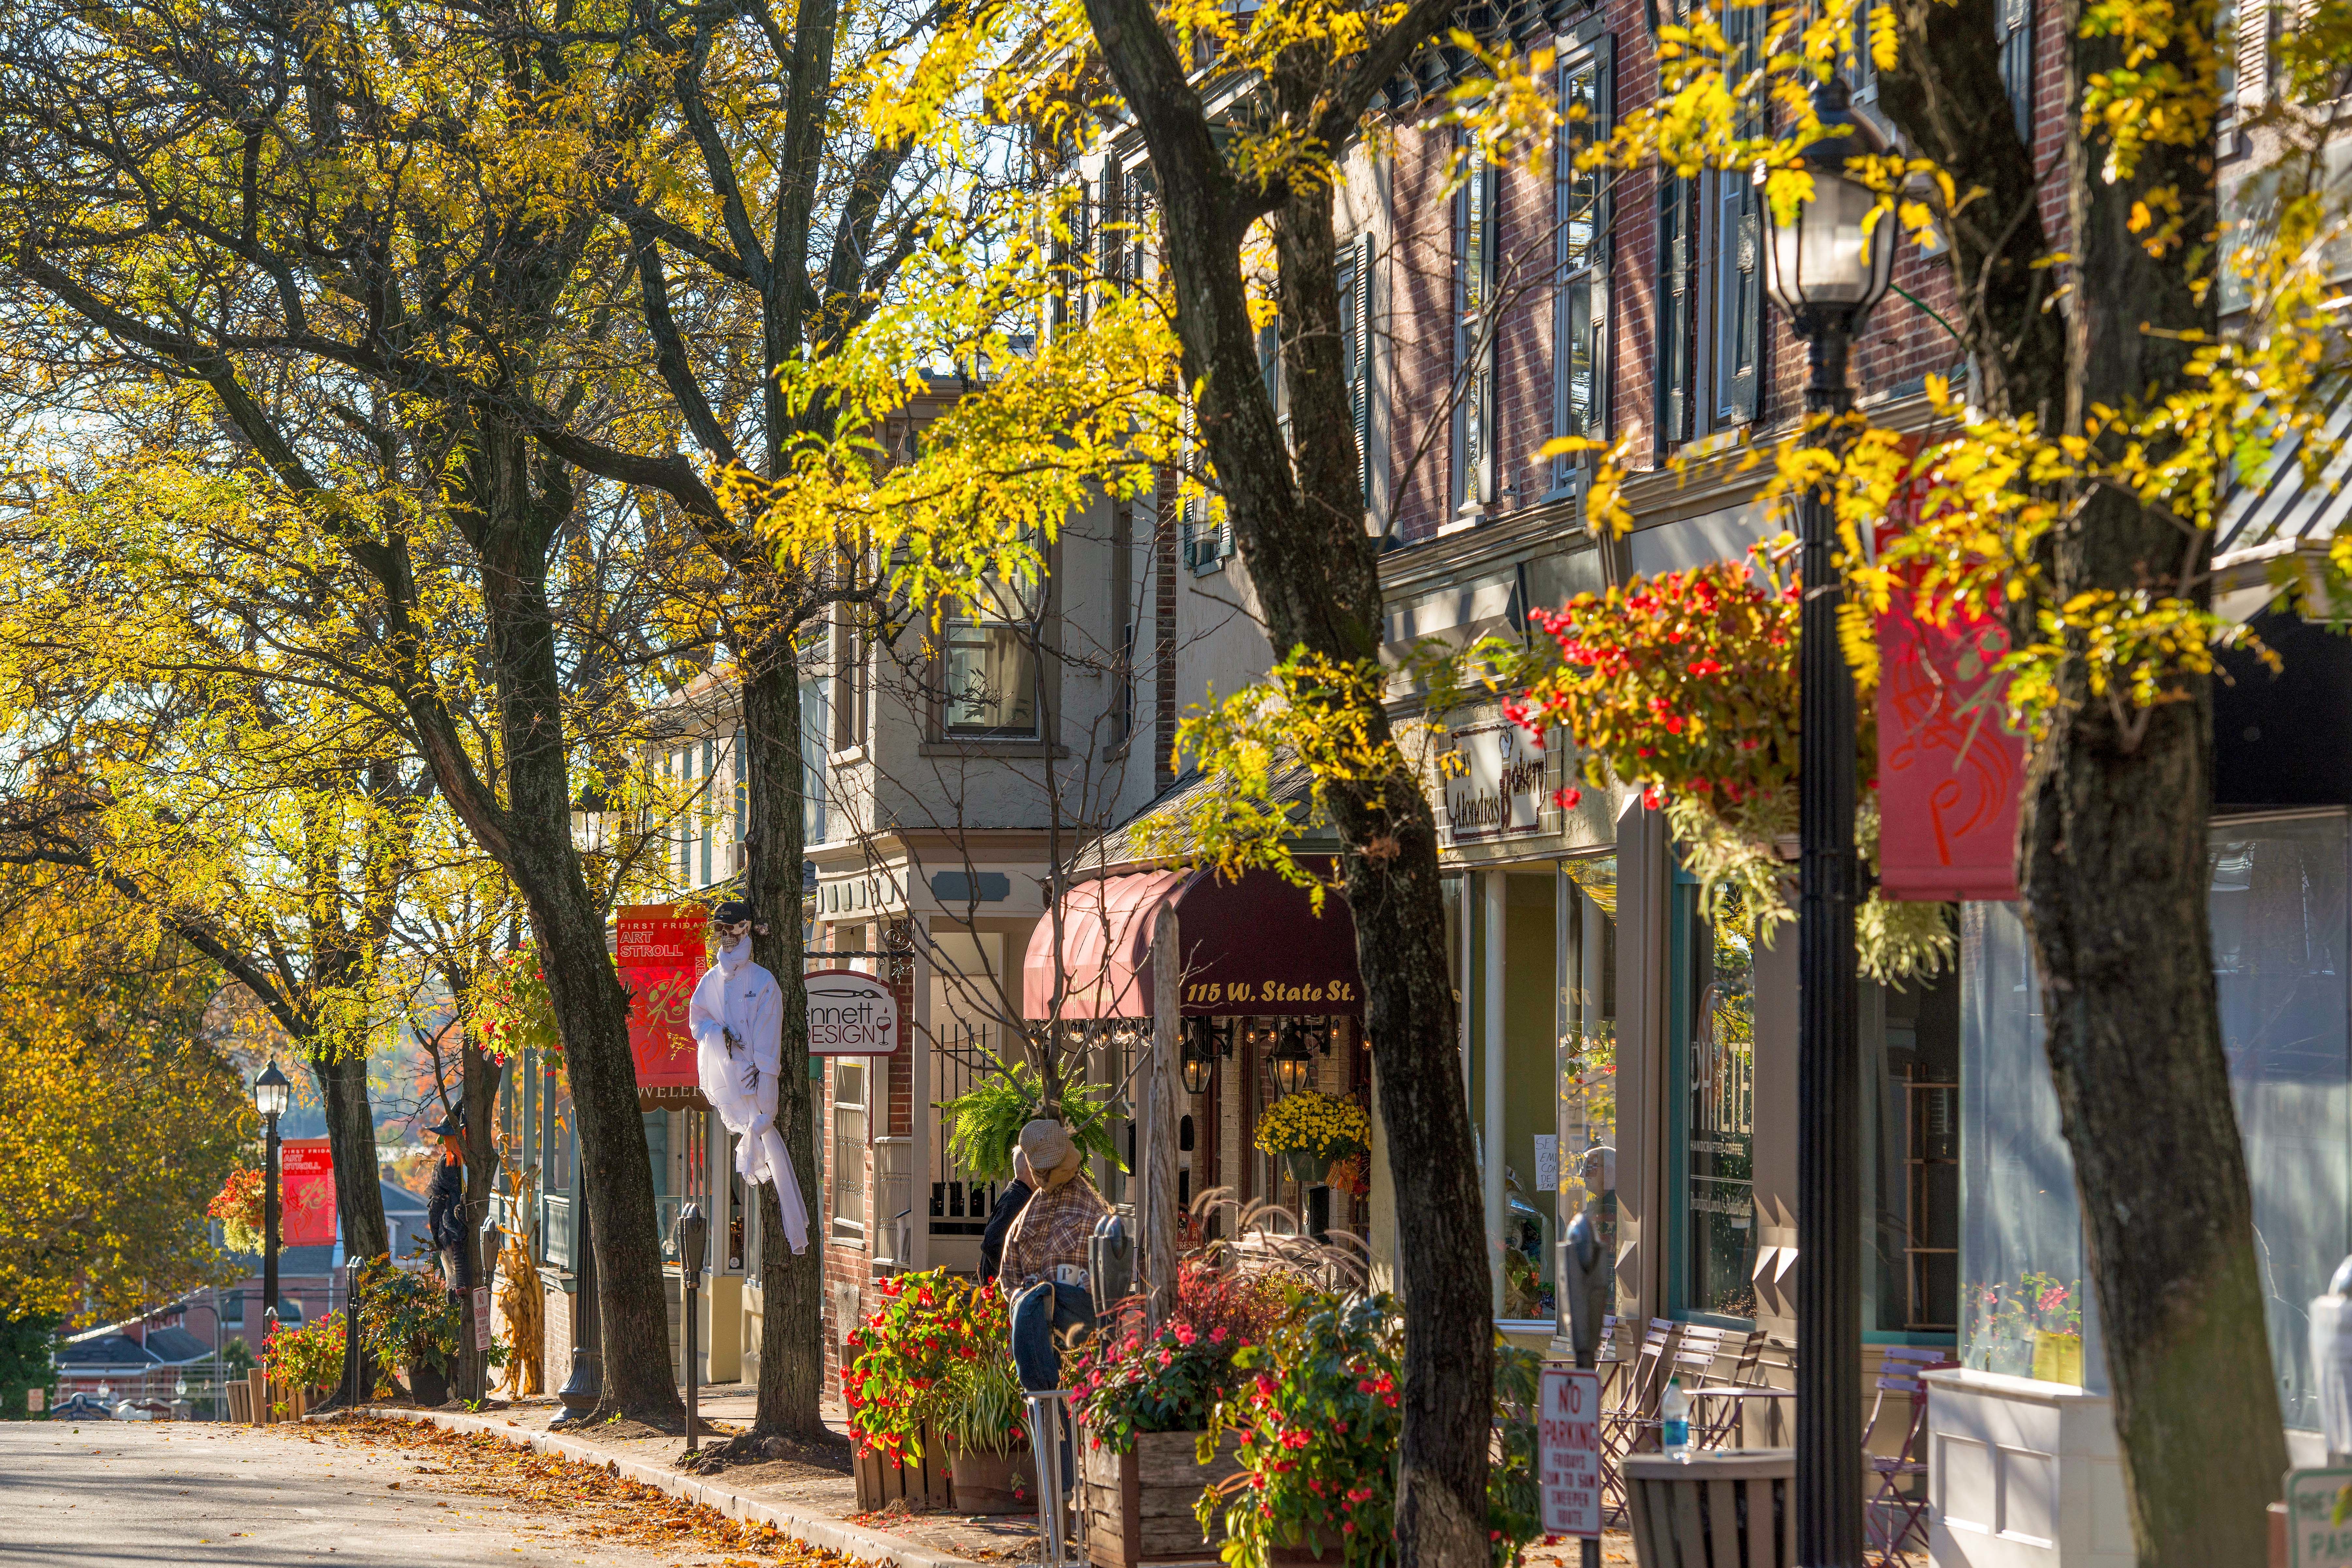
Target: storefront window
(1910,1153)
(2277,907)
(1713,1023)
(2022,1296)
(1586,1160)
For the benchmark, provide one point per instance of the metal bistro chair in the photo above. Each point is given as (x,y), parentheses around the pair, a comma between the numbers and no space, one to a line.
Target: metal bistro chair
(1693,1364)
(1718,1408)
(1639,1388)
(1896,1515)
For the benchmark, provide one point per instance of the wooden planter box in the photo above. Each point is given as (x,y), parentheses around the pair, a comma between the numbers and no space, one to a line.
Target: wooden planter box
(1137,1506)
(923,1485)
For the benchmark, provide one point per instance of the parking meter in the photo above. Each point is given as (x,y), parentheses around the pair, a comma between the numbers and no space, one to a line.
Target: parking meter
(1585,1274)
(1110,1262)
(2331,1363)
(692,1233)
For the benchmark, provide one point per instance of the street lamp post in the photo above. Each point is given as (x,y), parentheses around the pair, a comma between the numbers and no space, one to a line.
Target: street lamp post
(269,1095)
(1827,267)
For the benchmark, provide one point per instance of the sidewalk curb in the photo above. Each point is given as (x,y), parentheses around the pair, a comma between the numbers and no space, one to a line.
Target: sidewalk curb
(866,1546)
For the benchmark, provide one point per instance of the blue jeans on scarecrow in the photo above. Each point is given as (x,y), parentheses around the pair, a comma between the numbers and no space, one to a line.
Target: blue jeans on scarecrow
(1041,1314)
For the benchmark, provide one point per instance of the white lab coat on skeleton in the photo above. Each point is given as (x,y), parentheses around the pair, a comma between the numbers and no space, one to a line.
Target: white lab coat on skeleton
(741,1085)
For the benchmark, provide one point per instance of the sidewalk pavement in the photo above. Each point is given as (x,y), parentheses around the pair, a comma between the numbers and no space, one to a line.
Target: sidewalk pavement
(809,1504)
(818,1508)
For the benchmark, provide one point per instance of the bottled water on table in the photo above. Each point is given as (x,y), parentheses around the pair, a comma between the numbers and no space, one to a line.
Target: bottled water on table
(1674,1432)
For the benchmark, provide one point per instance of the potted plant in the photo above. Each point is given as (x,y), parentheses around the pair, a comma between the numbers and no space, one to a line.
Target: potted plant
(985,1422)
(306,1357)
(1310,1128)
(407,1319)
(895,1385)
(1319,1422)
(1143,1400)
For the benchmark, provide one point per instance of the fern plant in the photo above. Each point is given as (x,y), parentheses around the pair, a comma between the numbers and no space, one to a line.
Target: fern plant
(985,1121)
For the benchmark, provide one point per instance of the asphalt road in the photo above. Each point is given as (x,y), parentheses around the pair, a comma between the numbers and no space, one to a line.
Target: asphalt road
(140,1495)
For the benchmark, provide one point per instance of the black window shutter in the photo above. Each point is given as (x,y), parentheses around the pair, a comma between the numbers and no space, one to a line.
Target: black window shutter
(1745,255)
(1360,363)
(1677,263)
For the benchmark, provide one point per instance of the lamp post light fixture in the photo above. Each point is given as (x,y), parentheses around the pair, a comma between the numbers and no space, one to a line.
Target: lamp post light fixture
(270,1091)
(1827,267)
(1291,1064)
(1204,1041)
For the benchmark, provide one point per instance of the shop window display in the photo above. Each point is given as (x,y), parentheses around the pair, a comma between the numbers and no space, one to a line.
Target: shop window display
(1713,1021)
(1586,1150)
(2276,902)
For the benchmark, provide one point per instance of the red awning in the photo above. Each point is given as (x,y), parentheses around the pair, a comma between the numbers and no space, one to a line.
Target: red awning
(1249,946)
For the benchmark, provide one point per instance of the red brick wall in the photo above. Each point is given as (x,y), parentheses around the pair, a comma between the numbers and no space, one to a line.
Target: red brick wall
(1420,319)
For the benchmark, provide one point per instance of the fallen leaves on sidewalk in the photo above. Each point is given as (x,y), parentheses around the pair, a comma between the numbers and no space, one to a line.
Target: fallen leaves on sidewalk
(595,1503)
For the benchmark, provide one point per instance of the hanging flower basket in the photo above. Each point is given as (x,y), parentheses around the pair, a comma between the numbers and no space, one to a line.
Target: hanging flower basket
(1686,684)
(1307,1168)
(239,1206)
(1310,1130)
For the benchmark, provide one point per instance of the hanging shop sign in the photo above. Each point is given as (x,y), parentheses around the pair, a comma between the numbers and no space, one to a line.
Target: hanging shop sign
(1951,768)
(851,1015)
(306,1187)
(659,953)
(1493,784)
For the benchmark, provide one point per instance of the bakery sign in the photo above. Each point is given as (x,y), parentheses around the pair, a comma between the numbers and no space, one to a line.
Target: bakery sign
(1494,782)
(850,1014)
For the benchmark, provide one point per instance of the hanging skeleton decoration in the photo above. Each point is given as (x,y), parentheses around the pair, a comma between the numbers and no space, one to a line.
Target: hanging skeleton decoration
(736,1019)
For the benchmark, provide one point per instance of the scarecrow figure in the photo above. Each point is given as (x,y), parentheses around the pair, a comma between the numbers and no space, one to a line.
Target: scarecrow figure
(736,1018)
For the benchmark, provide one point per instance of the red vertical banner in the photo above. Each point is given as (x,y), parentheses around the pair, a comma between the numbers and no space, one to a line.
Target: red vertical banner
(1950,767)
(306,1193)
(660,955)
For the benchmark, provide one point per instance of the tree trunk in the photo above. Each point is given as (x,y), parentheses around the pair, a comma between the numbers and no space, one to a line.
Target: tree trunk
(2116,877)
(512,528)
(351,1140)
(2112,851)
(1302,539)
(480,1083)
(792,1288)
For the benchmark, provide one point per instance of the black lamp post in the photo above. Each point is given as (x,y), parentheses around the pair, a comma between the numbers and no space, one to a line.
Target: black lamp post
(270,1094)
(1827,269)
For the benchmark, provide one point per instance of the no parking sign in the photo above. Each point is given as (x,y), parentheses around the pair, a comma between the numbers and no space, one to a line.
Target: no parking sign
(1567,1451)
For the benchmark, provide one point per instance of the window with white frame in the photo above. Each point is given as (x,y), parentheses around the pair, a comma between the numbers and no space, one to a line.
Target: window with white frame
(1580,220)
(991,665)
(1473,477)
(851,1106)
(1711,259)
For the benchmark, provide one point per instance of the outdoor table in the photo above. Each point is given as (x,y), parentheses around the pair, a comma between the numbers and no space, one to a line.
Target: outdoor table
(1732,1391)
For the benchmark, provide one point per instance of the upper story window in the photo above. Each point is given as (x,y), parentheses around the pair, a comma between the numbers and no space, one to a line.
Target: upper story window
(2015,26)
(1580,229)
(851,681)
(990,663)
(1710,253)
(1473,477)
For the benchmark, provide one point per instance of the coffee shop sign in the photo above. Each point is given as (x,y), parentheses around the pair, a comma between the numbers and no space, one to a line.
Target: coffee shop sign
(1494,782)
